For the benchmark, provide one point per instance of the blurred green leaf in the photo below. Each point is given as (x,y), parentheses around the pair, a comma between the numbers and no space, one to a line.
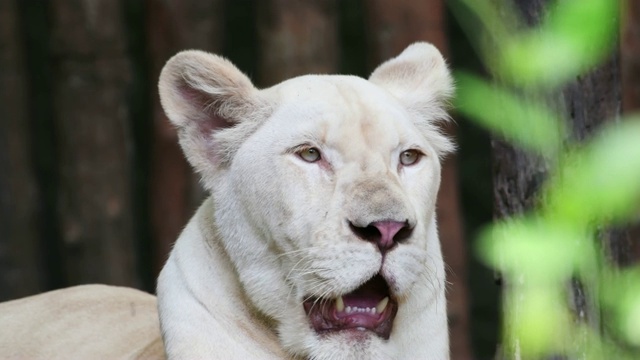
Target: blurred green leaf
(536,249)
(537,320)
(525,122)
(621,296)
(600,182)
(576,35)
(631,325)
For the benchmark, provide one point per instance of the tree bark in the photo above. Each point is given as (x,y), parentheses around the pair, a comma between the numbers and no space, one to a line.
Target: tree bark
(296,38)
(91,82)
(20,257)
(630,56)
(591,101)
(174,190)
(393,26)
(630,64)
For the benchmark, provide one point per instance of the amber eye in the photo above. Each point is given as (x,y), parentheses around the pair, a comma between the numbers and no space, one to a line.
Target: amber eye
(309,154)
(410,157)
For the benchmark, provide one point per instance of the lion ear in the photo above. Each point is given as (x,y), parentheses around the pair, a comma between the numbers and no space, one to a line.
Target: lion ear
(203,95)
(420,79)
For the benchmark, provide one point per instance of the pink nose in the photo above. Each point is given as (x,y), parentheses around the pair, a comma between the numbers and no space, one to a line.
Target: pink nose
(388,231)
(385,233)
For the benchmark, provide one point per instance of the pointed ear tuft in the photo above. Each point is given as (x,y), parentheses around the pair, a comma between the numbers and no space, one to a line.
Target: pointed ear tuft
(202,95)
(420,79)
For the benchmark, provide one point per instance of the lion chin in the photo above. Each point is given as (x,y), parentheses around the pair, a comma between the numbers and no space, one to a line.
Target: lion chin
(318,239)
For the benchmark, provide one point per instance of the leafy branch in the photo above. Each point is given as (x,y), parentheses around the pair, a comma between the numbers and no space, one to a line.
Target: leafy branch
(590,186)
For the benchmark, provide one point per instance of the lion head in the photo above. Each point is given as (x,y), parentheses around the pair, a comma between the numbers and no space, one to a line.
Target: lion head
(324,190)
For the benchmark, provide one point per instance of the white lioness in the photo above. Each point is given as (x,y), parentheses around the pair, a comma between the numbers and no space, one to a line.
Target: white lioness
(319,240)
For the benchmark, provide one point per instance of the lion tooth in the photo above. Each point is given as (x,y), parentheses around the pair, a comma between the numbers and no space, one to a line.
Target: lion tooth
(349,310)
(339,304)
(382,305)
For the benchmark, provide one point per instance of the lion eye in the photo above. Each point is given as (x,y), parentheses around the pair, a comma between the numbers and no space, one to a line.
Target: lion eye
(410,157)
(309,154)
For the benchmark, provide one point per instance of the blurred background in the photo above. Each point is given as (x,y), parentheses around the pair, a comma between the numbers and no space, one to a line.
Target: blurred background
(94,187)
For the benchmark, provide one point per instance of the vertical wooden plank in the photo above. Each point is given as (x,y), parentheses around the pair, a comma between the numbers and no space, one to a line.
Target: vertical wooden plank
(174,25)
(296,37)
(91,80)
(393,26)
(20,262)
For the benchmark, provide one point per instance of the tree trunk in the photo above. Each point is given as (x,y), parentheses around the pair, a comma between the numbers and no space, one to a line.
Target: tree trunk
(91,81)
(630,64)
(630,59)
(174,193)
(296,38)
(393,26)
(20,257)
(591,101)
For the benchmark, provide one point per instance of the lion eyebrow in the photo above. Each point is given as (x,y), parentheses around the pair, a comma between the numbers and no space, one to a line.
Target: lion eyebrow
(299,147)
(415,146)
(304,140)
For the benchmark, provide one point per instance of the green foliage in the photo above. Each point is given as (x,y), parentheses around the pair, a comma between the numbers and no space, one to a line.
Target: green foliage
(521,120)
(621,297)
(574,36)
(539,250)
(600,182)
(591,185)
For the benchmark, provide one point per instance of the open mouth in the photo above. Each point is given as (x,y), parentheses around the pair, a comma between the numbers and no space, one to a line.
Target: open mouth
(369,307)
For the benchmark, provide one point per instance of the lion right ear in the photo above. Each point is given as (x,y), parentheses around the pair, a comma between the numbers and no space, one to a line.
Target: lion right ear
(420,79)
(202,95)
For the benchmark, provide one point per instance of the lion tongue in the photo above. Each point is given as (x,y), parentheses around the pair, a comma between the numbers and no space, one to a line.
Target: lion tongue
(369,295)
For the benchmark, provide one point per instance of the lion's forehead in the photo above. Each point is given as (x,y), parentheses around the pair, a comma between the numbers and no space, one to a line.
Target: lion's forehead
(344,112)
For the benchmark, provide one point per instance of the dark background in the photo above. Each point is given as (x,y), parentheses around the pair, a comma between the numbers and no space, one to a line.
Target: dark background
(93,186)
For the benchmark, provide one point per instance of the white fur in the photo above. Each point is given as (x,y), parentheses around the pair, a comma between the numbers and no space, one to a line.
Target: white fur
(275,228)
(81,322)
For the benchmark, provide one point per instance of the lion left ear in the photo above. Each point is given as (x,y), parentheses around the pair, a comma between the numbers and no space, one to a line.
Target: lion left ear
(420,79)
(213,105)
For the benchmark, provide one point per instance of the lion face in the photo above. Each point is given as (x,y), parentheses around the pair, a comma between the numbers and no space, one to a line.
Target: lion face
(325,191)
